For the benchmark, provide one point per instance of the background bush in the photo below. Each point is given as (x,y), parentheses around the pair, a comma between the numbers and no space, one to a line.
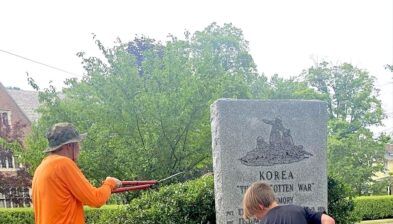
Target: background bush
(341,205)
(189,202)
(26,215)
(16,215)
(374,207)
(193,202)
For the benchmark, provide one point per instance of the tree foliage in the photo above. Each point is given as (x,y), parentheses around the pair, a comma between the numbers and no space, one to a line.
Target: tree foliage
(356,159)
(353,105)
(292,88)
(145,104)
(351,93)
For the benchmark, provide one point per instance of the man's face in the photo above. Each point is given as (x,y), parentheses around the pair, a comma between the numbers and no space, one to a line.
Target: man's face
(77,150)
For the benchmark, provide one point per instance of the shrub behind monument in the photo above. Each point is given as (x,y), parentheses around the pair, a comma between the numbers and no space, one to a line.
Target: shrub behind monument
(189,202)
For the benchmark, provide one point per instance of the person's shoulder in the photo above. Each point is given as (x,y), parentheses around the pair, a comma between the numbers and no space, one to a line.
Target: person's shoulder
(59,161)
(286,208)
(286,213)
(291,207)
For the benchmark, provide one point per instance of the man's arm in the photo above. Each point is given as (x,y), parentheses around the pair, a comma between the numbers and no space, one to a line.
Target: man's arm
(317,217)
(325,219)
(81,188)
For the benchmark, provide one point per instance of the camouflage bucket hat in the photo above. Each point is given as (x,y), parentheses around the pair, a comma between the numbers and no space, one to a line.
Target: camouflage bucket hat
(61,134)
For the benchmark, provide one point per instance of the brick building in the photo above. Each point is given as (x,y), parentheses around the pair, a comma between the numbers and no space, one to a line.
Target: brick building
(17,112)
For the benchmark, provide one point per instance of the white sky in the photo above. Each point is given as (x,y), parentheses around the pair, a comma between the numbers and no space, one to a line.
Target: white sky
(285,36)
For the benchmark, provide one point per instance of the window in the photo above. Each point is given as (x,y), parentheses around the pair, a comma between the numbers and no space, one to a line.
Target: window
(5,124)
(2,201)
(15,197)
(6,159)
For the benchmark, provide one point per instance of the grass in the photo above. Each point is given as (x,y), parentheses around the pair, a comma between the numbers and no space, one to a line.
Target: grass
(380,221)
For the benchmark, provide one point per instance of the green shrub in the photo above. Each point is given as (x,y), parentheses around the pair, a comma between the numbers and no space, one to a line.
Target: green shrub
(340,203)
(374,207)
(17,215)
(193,202)
(93,215)
(189,202)
(26,215)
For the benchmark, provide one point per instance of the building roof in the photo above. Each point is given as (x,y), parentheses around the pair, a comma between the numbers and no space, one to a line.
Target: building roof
(27,102)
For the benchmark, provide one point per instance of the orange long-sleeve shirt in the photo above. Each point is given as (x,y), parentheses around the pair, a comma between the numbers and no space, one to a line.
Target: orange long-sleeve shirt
(60,190)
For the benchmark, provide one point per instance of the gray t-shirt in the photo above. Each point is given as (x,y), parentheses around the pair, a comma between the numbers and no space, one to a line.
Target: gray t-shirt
(291,214)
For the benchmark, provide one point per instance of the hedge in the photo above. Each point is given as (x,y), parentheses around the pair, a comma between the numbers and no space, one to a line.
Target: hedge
(16,215)
(26,216)
(189,202)
(374,207)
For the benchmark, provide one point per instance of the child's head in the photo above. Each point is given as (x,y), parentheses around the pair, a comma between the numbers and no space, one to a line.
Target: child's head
(257,197)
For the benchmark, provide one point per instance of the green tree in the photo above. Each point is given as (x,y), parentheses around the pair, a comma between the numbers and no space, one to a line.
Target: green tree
(145,104)
(355,159)
(353,106)
(350,91)
(292,88)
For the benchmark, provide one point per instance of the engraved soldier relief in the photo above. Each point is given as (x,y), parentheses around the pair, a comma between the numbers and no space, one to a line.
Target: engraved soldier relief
(279,150)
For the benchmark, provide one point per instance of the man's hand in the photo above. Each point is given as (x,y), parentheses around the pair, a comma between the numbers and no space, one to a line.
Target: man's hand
(117,181)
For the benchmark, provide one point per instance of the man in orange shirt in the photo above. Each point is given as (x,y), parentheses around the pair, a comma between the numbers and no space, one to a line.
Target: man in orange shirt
(59,188)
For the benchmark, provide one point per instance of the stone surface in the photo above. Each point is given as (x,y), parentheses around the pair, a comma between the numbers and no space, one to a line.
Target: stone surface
(282,142)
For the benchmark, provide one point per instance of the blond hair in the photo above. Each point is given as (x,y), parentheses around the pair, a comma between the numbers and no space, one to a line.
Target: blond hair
(259,193)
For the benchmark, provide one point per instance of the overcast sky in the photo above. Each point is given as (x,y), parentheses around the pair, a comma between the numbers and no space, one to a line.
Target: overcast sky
(285,36)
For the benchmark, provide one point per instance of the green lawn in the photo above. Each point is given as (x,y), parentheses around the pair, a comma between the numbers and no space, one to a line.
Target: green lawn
(381,221)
